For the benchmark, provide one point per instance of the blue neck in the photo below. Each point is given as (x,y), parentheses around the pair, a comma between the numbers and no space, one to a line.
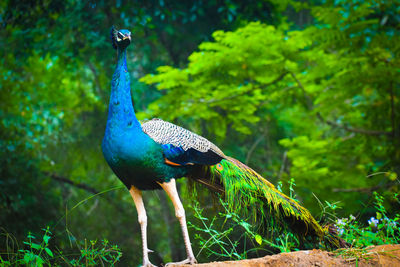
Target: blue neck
(121,113)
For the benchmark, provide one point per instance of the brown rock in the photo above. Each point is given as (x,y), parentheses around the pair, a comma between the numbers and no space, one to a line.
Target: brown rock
(385,256)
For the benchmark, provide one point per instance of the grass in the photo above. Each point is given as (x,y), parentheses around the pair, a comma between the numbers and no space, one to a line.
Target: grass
(225,236)
(36,251)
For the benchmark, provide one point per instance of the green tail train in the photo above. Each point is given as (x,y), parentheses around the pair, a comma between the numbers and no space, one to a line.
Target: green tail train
(249,194)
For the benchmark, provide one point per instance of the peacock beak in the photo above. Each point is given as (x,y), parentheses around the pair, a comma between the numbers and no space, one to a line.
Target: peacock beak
(126,37)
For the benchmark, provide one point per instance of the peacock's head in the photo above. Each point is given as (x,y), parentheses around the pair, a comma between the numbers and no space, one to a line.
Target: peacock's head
(120,38)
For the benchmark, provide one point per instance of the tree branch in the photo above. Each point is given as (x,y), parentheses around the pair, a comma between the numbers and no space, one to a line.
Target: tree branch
(308,99)
(282,169)
(279,78)
(363,189)
(253,147)
(75,184)
(358,130)
(352,129)
(85,187)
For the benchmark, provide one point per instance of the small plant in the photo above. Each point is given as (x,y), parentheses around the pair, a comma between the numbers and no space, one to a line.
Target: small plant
(292,193)
(328,209)
(94,254)
(380,230)
(220,243)
(36,253)
(39,253)
(354,254)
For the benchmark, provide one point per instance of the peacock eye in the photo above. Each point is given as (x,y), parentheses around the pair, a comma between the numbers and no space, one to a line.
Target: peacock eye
(119,36)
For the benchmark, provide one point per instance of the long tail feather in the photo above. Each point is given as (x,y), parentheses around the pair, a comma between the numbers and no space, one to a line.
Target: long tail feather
(251,195)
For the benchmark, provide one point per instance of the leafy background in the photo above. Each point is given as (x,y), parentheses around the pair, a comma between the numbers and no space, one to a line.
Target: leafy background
(296,89)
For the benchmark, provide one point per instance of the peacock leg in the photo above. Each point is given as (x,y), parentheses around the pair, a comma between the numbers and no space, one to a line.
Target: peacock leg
(142,218)
(170,188)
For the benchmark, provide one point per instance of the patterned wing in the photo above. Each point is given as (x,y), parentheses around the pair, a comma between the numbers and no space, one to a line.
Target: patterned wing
(182,146)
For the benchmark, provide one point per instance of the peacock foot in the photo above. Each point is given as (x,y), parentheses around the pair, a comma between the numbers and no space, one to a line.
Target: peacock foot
(187,261)
(148,264)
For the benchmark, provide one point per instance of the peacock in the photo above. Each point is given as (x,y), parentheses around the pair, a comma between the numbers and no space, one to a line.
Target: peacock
(150,155)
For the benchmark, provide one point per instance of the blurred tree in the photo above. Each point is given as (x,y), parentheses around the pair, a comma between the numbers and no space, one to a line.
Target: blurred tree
(316,100)
(56,66)
(330,92)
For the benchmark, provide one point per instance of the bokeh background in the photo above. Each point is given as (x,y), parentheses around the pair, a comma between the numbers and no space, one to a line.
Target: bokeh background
(303,90)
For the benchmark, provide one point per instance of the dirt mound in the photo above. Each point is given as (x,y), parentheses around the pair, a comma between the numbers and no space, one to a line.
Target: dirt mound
(385,255)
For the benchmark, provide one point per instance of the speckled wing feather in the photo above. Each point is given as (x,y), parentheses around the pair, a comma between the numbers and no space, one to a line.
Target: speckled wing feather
(164,133)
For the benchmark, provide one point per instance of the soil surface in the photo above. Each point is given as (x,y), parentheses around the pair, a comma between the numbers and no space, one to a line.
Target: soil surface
(385,255)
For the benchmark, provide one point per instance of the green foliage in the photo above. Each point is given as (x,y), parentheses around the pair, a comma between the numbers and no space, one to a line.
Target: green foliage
(56,64)
(223,82)
(301,90)
(94,254)
(228,236)
(379,231)
(41,253)
(330,90)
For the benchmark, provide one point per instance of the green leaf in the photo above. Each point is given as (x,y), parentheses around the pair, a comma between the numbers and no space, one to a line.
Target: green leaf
(392,176)
(258,239)
(36,246)
(29,257)
(48,251)
(46,239)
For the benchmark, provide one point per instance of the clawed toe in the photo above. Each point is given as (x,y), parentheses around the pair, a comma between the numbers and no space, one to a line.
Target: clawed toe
(187,261)
(148,264)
